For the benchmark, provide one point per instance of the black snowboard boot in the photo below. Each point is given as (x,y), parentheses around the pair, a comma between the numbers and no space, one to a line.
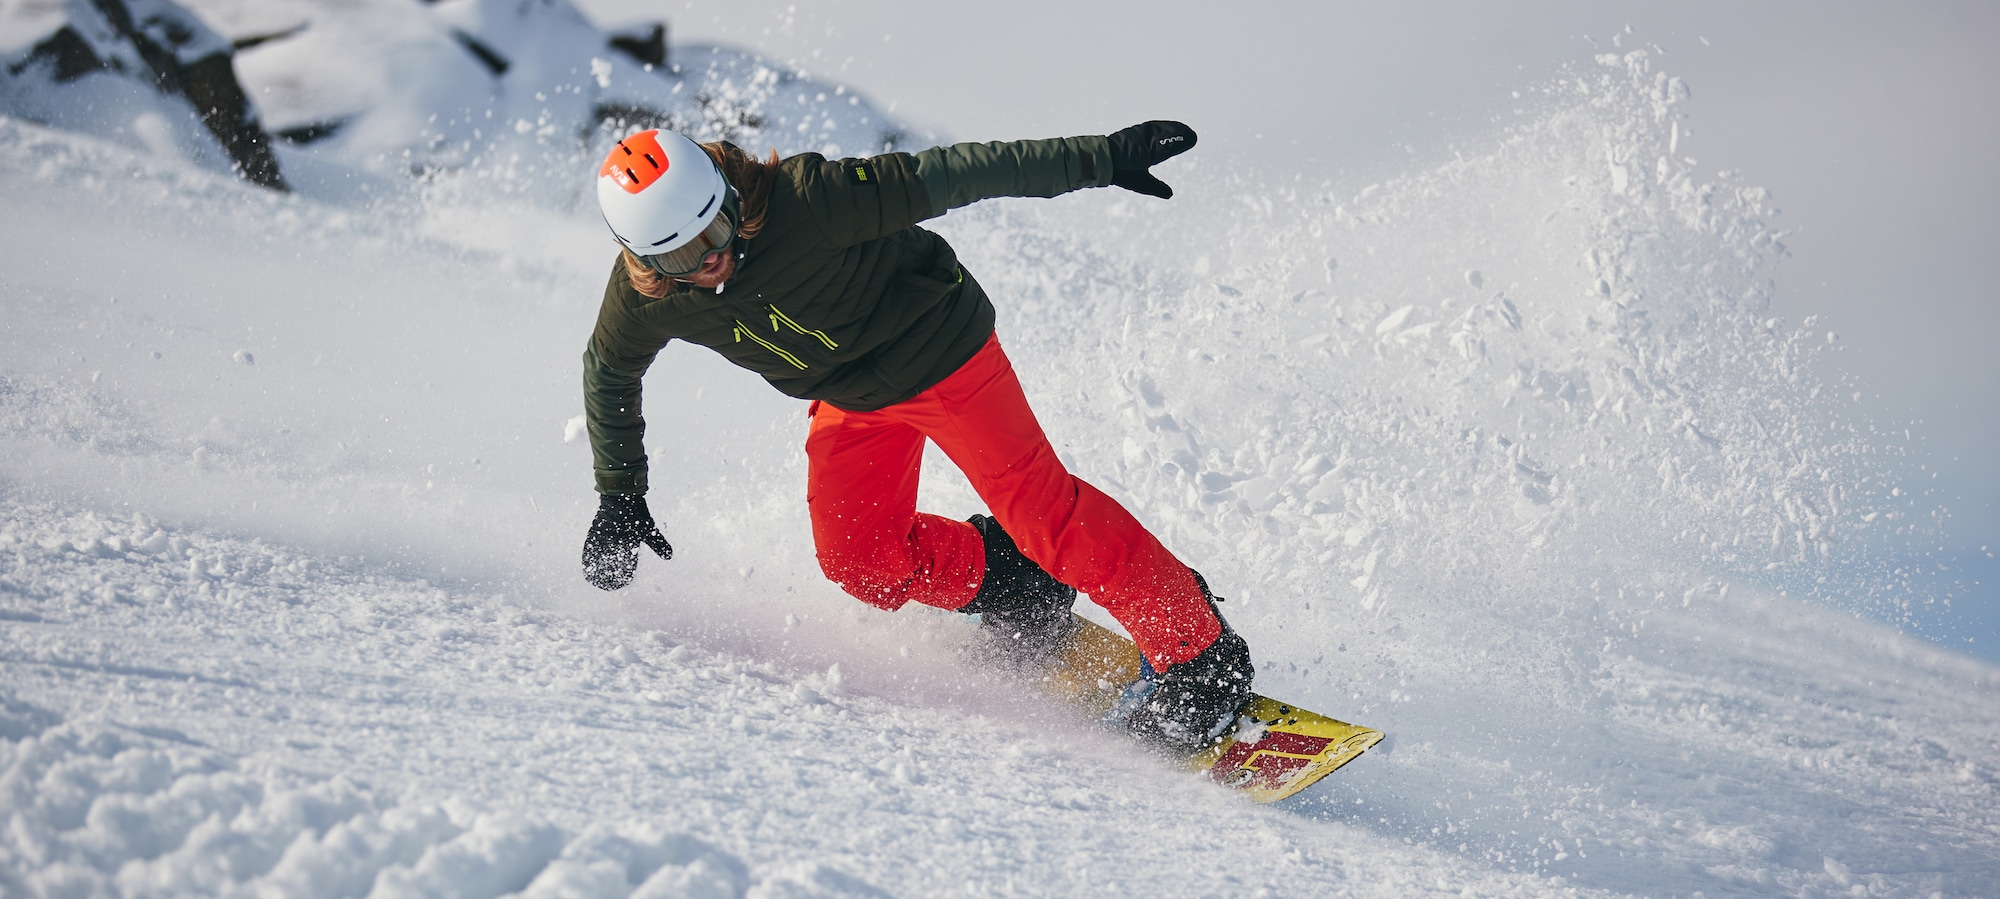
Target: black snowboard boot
(1194,702)
(1023,608)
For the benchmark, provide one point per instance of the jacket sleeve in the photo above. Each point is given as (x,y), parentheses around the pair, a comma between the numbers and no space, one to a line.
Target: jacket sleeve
(613,365)
(962,174)
(858,200)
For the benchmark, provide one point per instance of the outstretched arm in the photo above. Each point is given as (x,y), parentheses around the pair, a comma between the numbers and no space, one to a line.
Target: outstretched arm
(614,363)
(856,200)
(962,174)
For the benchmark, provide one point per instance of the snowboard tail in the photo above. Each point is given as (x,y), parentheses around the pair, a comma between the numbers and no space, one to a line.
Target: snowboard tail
(1273,750)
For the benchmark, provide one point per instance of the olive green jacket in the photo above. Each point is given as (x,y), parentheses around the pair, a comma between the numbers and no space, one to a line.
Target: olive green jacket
(840,298)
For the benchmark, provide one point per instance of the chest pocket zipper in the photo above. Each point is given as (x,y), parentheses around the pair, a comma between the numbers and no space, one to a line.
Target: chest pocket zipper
(743,330)
(778,317)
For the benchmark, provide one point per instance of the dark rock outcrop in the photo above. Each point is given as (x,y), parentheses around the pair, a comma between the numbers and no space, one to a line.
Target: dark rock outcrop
(160,43)
(645,45)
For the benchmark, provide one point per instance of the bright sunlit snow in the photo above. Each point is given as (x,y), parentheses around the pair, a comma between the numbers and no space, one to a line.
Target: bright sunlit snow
(1507,457)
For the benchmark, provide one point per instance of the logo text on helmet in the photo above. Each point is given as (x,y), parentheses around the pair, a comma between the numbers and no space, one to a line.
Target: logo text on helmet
(636,162)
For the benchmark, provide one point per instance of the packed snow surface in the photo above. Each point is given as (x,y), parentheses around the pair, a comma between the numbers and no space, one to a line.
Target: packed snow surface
(1504,457)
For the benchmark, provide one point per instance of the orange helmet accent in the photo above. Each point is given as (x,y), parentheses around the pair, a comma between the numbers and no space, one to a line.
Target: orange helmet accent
(636,162)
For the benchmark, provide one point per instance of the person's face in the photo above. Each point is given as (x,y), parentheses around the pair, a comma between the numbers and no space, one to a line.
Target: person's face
(716,270)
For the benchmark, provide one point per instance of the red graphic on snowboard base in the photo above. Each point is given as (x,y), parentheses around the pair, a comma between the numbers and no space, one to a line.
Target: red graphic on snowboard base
(1268,763)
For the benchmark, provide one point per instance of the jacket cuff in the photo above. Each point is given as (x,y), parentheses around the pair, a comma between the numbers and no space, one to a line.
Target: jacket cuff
(622,480)
(1093,160)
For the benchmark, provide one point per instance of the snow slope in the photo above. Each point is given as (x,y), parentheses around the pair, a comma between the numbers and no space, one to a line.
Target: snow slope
(1503,456)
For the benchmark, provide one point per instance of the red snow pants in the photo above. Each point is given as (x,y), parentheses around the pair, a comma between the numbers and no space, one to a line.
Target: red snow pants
(872,541)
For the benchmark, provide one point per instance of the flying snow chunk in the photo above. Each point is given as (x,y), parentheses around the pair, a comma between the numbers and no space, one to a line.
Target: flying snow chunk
(1475,279)
(244,357)
(573,429)
(1395,320)
(600,69)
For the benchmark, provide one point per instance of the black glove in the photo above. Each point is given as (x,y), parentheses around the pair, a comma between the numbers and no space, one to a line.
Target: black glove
(610,549)
(1140,147)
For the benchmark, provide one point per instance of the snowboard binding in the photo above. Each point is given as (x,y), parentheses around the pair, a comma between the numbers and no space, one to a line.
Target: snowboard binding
(1023,610)
(1186,708)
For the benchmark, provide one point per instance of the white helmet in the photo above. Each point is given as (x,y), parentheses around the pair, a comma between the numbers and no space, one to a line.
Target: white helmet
(659,192)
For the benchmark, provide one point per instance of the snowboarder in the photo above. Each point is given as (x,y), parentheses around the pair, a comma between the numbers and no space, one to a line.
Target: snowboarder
(814,274)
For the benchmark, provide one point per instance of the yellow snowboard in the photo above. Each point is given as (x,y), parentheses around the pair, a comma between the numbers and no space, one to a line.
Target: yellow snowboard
(1274,751)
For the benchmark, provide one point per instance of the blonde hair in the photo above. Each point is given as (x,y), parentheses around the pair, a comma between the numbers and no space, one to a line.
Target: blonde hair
(752,179)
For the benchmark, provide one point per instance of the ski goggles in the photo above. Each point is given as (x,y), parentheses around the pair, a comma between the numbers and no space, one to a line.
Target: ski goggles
(713,241)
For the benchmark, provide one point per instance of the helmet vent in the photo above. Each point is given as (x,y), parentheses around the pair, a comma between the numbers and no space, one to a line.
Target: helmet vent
(651,161)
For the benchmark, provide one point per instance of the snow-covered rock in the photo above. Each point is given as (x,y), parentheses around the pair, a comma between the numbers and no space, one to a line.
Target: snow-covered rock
(146,71)
(510,93)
